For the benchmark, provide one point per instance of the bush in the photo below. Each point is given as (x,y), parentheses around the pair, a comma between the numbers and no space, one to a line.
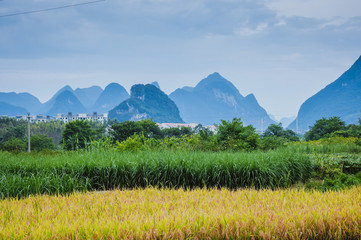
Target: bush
(14,145)
(40,142)
(134,143)
(272,142)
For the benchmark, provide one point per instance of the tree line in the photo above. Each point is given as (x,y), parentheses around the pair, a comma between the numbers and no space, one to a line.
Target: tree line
(230,136)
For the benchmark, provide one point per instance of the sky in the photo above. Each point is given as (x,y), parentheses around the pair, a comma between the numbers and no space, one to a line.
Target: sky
(283,51)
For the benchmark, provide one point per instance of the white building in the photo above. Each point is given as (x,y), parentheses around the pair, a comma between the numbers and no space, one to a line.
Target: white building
(35,118)
(82,116)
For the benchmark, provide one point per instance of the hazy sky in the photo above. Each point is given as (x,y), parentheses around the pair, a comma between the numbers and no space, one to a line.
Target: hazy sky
(283,51)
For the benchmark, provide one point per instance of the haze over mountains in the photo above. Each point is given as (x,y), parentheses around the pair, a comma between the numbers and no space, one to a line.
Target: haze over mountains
(212,99)
(112,95)
(80,100)
(216,98)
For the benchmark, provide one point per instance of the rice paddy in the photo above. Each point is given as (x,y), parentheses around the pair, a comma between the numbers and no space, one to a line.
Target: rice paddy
(180,214)
(105,194)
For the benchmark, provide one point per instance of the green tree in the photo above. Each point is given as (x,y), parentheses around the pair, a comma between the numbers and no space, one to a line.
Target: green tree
(76,134)
(53,129)
(121,131)
(99,130)
(11,128)
(203,132)
(352,130)
(323,128)
(14,145)
(177,132)
(39,142)
(232,135)
(150,129)
(277,131)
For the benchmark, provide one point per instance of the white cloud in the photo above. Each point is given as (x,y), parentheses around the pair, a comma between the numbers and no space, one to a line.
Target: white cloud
(247,31)
(320,9)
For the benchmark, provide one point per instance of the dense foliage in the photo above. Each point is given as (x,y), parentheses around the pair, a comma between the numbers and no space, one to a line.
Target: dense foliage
(52,129)
(232,135)
(276,130)
(323,128)
(11,128)
(77,134)
(121,131)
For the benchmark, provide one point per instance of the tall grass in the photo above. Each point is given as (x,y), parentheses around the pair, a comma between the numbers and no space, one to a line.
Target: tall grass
(328,146)
(180,214)
(26,174)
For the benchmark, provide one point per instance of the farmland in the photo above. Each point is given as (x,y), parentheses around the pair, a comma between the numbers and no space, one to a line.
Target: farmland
(176,194)
(180,214)
(200,186)
(30,174)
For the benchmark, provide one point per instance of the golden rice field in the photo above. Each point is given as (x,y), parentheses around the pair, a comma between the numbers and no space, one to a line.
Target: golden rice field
(180,214)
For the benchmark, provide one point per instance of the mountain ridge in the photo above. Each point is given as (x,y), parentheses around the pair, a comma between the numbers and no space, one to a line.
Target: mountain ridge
(146,102)
(113,95)
(66,102)
(340,98)
(215,98)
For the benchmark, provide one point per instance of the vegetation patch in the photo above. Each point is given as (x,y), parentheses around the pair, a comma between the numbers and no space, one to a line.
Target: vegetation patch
(29,174)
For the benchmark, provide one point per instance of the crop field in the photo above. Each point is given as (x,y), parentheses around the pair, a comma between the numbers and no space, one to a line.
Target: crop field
(30,174)
(182,194)
(180,214)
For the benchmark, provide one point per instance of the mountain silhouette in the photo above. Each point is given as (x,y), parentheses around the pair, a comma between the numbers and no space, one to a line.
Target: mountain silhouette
(112,95)
(215,98)
(341,98)
(66,102)
(147,102)
(11,110)
(22,100)
(88,96)
(50,103)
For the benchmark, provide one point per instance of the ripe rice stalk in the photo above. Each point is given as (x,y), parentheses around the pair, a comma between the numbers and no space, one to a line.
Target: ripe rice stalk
(180,214)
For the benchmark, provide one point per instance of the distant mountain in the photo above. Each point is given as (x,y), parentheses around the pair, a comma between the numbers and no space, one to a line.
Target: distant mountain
(112,95)
(22,100)
(11,110)
(50,103)
(156,84)
(88,96)
(287,121)
(147,102)
(66,102)
(215,98)
(341,98)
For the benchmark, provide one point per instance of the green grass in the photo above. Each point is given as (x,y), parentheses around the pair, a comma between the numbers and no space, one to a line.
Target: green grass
(326,148)
(29,174)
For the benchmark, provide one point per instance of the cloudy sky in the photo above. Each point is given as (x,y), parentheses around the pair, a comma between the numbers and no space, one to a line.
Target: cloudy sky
(283,51)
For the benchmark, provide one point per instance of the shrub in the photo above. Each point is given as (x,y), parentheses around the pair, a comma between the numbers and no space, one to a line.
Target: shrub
(40,142)
(133,144)
(14,145)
